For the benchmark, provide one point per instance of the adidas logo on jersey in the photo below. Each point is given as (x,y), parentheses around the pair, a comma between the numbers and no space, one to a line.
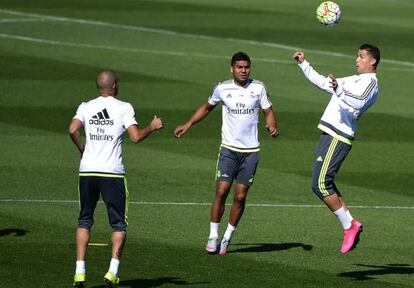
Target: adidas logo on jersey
(101,118)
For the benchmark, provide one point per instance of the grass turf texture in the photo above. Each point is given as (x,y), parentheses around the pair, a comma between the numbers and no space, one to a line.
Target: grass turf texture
(48,68)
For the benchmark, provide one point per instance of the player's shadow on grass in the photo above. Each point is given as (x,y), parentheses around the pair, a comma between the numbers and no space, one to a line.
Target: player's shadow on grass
(388,269)
(268,247)
(15,232)
(147,283)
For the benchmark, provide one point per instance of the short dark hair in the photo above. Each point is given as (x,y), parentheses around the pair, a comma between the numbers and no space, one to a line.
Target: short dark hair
(240,56)
(373,51)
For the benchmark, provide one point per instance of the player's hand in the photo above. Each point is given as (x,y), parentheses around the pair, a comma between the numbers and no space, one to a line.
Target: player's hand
(273,131)
(156,123)
(299,56)
(334,83)
(181,130)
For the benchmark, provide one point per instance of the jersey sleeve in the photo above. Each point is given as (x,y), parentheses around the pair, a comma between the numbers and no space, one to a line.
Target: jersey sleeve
(80,115)
(265,99)
(215,98)
(128,117)
(320,81)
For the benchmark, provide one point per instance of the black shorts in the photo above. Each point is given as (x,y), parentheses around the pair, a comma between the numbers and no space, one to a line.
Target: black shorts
(113,189)
(239,166)
(329,156)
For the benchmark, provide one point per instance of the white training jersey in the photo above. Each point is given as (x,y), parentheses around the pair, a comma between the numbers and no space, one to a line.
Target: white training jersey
(354,95)
(240,113)
(105,120)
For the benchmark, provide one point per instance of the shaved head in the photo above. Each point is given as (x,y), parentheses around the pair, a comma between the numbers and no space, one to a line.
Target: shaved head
(106,80)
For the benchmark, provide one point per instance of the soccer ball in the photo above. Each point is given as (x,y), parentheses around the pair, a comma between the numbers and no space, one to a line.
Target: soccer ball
(328,13)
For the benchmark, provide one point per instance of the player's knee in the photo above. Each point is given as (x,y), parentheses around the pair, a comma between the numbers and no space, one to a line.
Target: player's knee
(316,189)
(240,198)
(119,226)
(85,223)
(221,194)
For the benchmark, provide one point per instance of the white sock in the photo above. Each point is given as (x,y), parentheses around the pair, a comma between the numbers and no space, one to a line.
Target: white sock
(343,218)
(229,231)
(349,215)
(214,227)
(80,267)
(113,266)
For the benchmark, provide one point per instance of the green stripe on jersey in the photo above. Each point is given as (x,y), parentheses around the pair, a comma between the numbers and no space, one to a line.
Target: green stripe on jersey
(334,134)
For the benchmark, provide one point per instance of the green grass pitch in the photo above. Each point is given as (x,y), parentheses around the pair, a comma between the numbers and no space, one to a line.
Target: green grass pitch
(169,54)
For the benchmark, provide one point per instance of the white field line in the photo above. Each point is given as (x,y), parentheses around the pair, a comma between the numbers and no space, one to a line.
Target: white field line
(161,52)
(194,36)
(133,50)
(51,201)
(14,20)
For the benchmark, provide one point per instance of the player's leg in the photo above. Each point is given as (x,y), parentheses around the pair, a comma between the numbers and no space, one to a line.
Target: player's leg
(218,205)
(351,235)
(82,240)
(344,205)
(328,159)
(225,172)
(239,202)
(217,211)
(335,203)
(118,241)
(245,176)
(115,195)
(88,196)
(236,212)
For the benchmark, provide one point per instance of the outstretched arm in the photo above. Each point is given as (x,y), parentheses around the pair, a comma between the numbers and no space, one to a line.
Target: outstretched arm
(322,82)
(271,123)
(138,134)
(74,134)
(200,113)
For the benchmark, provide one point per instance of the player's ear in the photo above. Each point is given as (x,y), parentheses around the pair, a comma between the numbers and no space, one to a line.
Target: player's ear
(231,69)
(373,61)
(115,84)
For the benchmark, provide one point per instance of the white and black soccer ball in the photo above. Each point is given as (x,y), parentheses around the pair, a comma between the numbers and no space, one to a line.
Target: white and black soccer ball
(328,13)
